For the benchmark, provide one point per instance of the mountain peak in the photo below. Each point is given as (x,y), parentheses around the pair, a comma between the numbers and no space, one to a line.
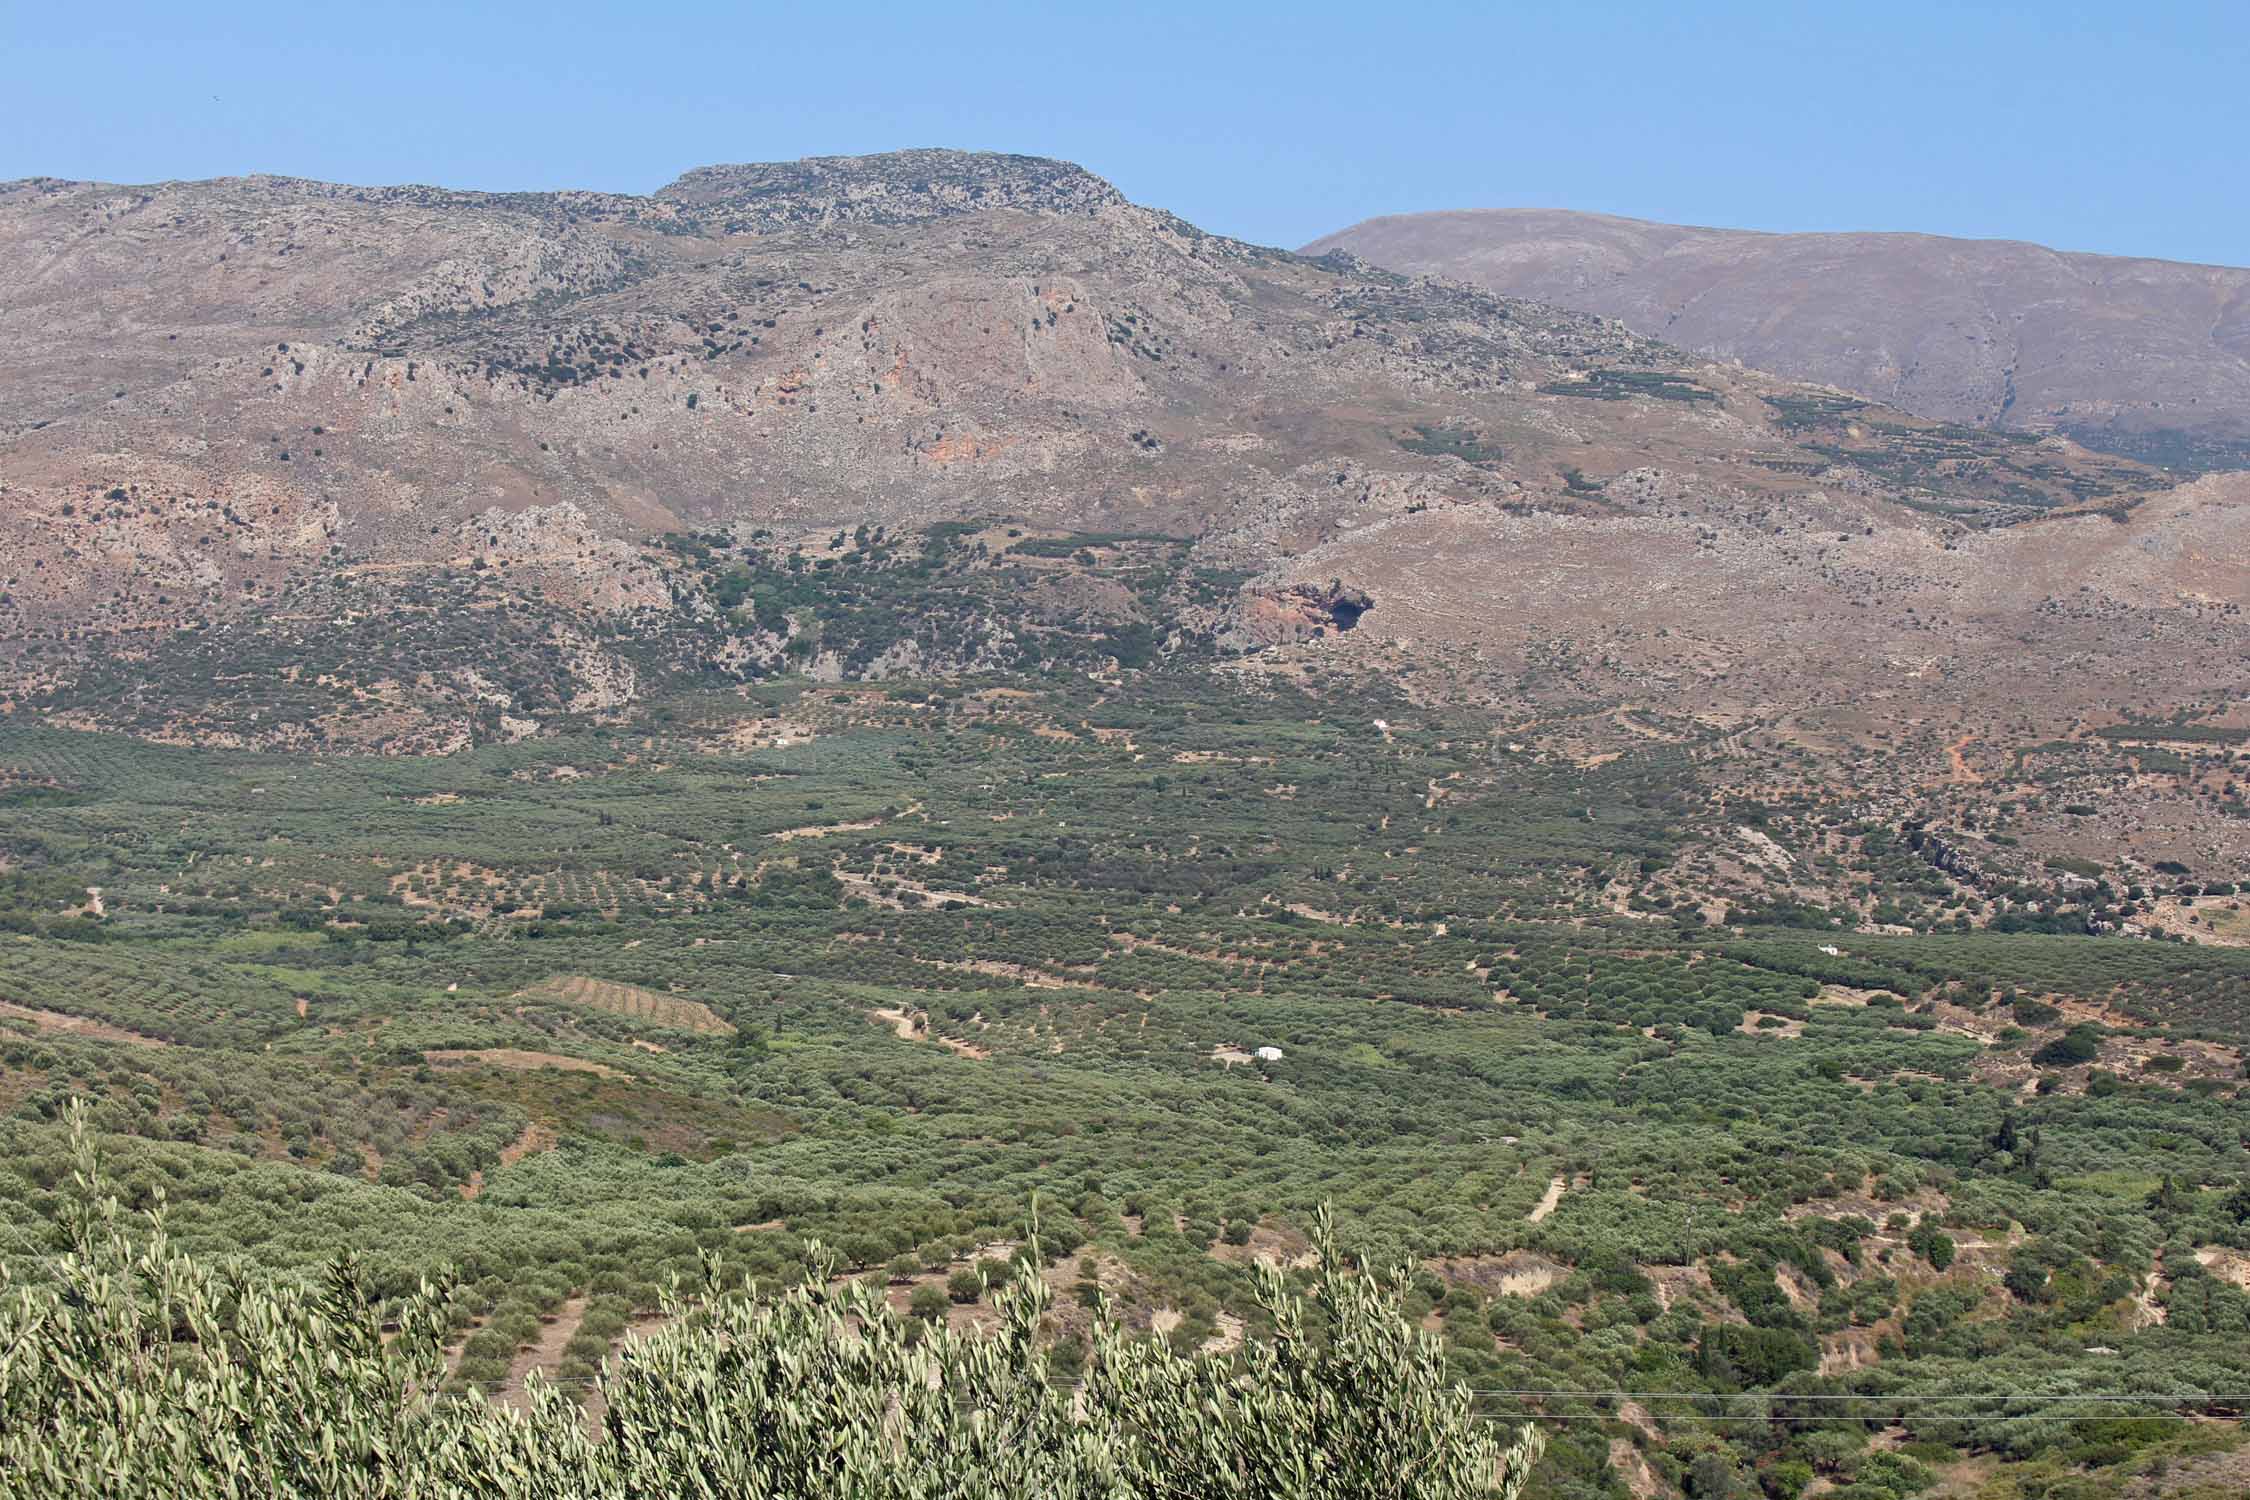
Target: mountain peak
(889,188)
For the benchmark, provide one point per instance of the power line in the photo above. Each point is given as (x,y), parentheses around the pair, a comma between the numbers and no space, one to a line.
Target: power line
(1907,1402)
(1892,1398)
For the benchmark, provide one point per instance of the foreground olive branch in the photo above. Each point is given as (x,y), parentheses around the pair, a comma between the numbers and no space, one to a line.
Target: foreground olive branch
(139,1371)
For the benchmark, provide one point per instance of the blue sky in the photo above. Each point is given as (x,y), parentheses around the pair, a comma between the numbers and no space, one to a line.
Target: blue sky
(2110,127)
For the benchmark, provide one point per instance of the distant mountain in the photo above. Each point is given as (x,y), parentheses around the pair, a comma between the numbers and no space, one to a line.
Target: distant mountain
(2146,358)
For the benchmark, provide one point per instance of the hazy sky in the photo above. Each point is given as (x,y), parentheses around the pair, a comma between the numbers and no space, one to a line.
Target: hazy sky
(2094,126)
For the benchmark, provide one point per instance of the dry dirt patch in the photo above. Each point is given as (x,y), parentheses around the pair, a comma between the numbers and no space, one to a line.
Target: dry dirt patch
(2223,921)
(1963,774)
(1861,1202)
(1228,1338)
(62,1025)
(2189,1478)
(1848,1349)
(1519,1273)
(2228,1265)
(534,1138)
(545,1354)
(517,1059)
(1640,1480)
(1844,994)
(1028,977)
(822,830)
(1272,1245)
(633,1001)
(1684,1283)
(915,1027)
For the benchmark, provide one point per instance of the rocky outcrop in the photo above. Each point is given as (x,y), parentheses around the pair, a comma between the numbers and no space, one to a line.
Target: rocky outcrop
(896,187)
(1295,612)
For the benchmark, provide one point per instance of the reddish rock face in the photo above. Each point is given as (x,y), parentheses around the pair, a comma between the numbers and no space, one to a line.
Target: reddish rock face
(1269,617)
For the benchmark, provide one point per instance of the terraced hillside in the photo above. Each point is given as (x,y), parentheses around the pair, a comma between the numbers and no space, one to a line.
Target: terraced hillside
(1837,1124)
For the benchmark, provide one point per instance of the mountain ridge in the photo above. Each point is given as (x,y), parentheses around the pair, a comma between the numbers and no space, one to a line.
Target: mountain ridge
(1692,229)
(2135,355)
(919,182)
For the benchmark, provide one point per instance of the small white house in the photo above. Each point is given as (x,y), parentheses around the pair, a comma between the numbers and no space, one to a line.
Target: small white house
(1268,1054)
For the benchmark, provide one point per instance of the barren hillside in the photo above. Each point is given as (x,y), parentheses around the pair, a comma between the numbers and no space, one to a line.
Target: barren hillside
(2148,358)
(295,464)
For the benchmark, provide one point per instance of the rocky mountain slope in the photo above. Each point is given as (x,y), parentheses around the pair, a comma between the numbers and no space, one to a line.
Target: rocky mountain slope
(2147,358)
(294,464)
